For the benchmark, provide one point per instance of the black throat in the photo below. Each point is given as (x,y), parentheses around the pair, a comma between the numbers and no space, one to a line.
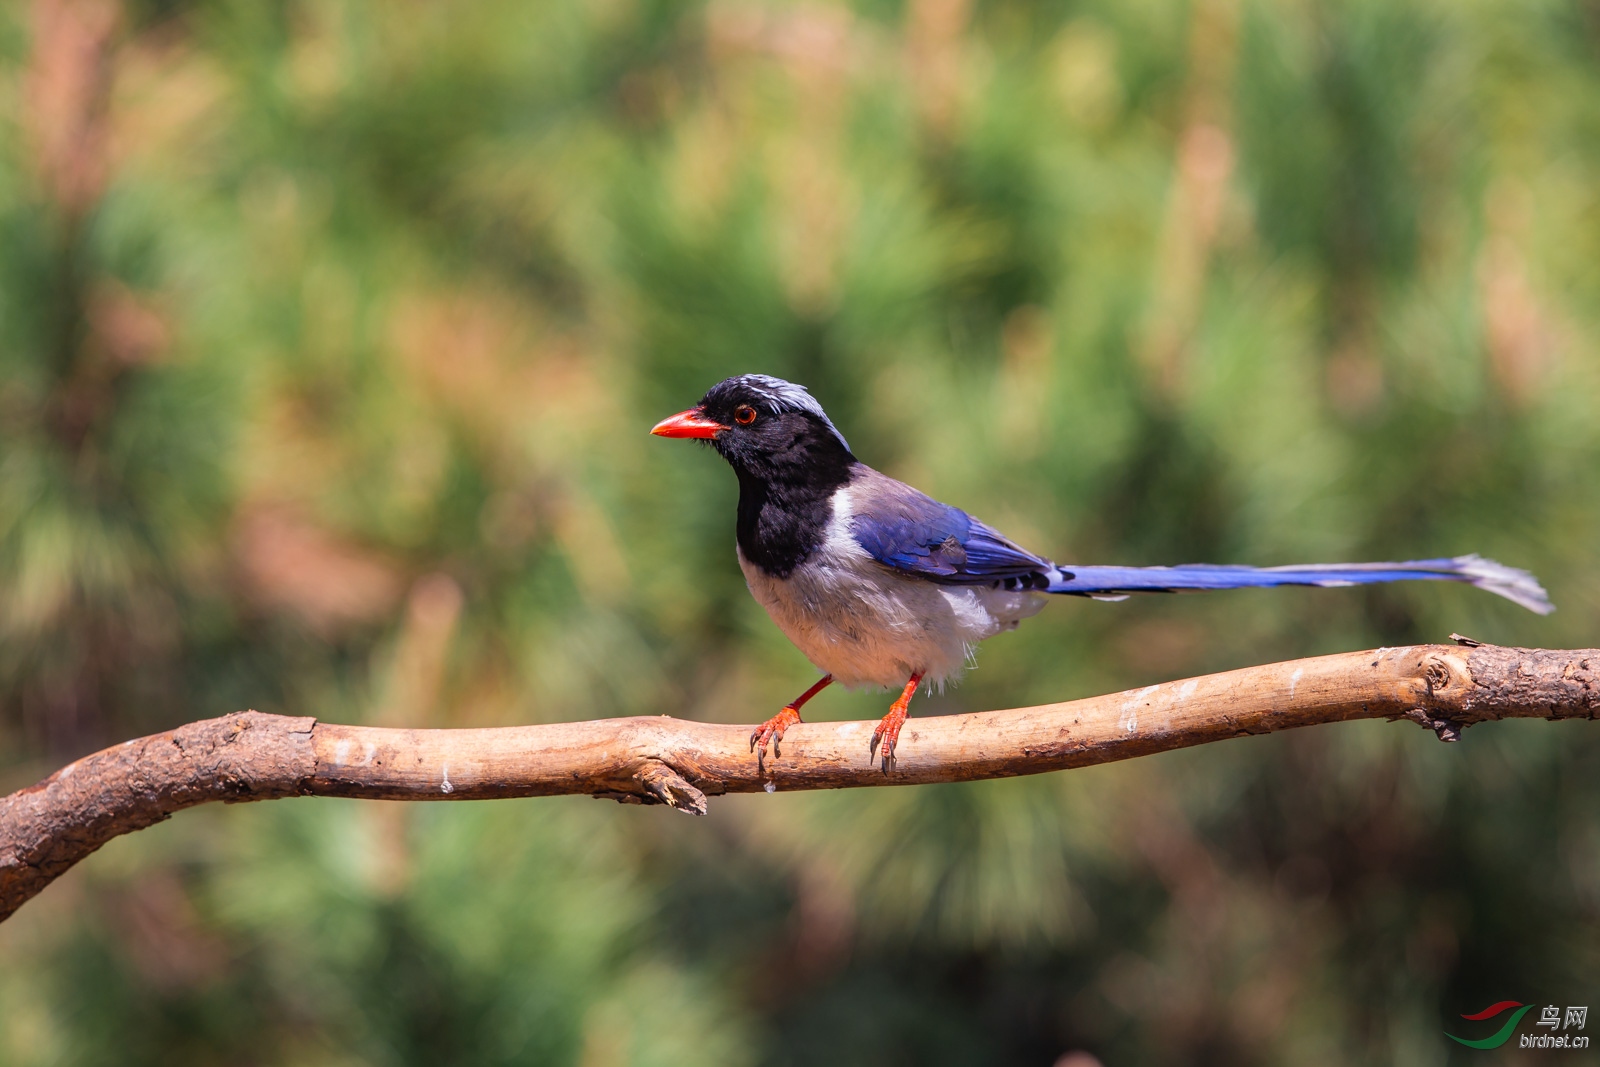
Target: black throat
(784,510)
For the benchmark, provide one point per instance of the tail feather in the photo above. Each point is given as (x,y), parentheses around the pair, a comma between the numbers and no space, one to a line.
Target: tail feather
(1113,583)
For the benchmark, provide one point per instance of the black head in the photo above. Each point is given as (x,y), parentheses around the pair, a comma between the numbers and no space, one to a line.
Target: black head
(789,458)
(766,428)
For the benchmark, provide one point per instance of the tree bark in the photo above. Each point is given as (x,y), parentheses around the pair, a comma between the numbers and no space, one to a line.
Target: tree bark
(48,827)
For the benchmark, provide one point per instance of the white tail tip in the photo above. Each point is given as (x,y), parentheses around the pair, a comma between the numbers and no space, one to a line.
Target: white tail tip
(1515,585)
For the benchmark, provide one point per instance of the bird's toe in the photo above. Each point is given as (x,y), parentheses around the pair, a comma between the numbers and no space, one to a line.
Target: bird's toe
(887,736)
(771,730)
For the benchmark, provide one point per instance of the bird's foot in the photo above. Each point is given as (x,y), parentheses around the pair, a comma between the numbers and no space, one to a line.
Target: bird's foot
(887,733)
(772,730)
(774,727)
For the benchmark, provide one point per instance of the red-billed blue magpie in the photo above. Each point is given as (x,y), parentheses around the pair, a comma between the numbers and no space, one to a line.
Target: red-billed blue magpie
(880,585)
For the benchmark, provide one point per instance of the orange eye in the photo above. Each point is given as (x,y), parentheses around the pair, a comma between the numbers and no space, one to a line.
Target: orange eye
(744,414)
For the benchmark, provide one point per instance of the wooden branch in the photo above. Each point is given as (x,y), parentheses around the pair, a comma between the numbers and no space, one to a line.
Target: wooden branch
(48,827)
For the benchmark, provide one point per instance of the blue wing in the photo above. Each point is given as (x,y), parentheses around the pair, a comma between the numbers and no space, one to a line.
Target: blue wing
(914,533)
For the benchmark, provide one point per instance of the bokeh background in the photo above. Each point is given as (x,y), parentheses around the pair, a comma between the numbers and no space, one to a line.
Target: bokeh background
(330,334)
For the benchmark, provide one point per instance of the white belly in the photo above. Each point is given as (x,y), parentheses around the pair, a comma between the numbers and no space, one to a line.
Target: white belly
(868,625)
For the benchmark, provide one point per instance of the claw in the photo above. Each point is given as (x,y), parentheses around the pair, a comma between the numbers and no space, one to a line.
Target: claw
(888,730)
(772,730)
(888,733)
(774,727)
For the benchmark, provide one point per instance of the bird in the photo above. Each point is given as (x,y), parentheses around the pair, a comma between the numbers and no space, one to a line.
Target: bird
(882,586)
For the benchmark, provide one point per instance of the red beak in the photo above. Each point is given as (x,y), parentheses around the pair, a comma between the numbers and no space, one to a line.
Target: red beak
(691,423)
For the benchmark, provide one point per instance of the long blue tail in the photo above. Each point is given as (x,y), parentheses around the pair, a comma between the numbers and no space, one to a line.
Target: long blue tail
(1115,583)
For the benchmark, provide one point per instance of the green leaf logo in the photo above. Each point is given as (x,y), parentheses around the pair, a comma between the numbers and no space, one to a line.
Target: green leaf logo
(1502,1035)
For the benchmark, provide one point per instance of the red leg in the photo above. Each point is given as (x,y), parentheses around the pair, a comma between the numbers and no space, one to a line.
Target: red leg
(774,727)
(888,730)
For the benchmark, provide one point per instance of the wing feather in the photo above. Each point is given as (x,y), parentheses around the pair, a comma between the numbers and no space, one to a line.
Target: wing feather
(911,532)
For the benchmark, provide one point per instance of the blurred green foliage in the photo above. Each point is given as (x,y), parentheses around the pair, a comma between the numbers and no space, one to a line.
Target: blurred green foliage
(329,335)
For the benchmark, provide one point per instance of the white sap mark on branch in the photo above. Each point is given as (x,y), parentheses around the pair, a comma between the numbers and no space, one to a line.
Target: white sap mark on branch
(446,787)
(1294,680)
(1130,709)
(1188,688)
(368,753)
(341,752)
